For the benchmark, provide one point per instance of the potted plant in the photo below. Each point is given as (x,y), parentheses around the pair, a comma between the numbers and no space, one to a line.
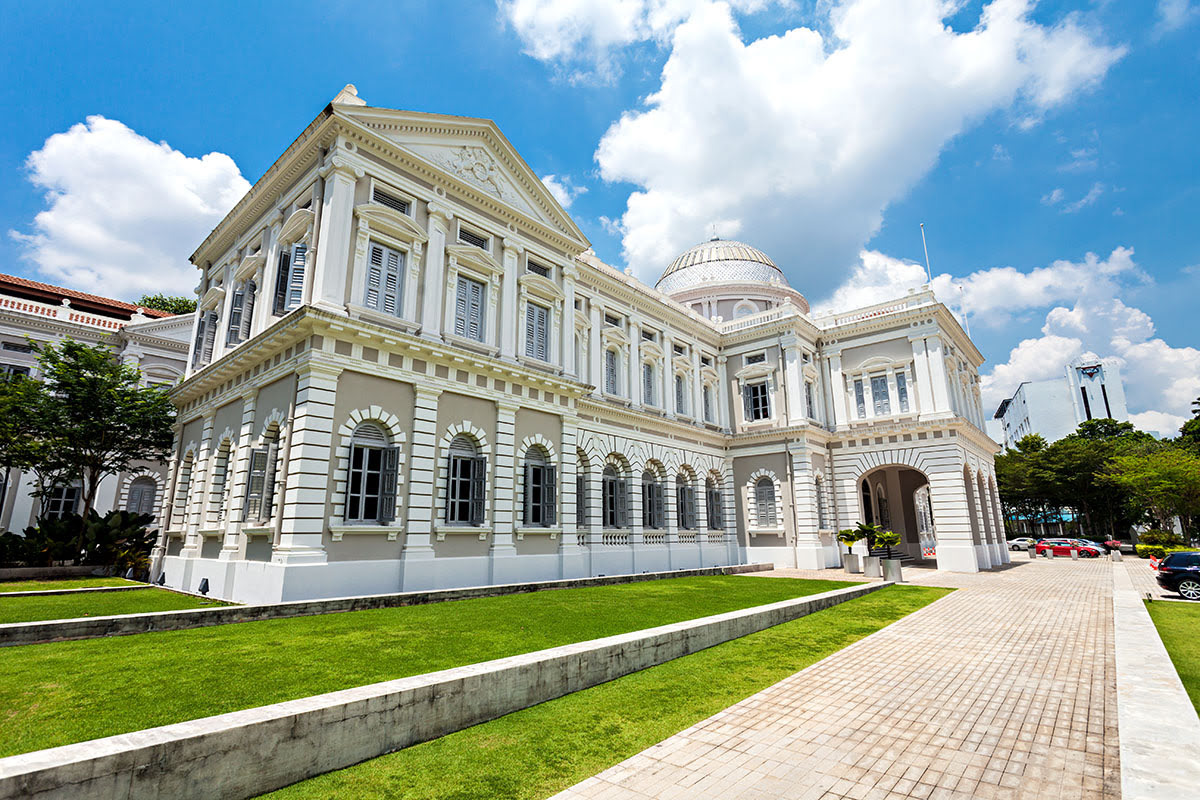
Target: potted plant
(849,561)
(891,566)
(871,566)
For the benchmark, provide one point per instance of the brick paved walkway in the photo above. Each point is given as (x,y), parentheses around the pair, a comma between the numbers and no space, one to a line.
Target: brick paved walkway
(1004,689)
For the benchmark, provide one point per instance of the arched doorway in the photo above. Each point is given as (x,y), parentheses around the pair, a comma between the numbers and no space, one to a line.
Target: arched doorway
(897,498)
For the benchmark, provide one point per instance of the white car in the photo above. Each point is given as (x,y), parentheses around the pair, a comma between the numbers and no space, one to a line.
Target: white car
(1023,543)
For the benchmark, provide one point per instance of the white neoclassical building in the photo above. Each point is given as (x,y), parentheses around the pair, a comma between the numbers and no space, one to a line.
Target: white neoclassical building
(409,371)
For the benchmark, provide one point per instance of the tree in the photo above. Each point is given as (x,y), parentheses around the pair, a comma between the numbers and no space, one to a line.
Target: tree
(20,398)
(1167,480)
(172,304)
(95,417)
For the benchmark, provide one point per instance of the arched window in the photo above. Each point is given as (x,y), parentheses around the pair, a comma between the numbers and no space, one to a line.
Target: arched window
(764,503)
(260,488)
(680,395)
(616,499)
(581,490)
(371,490)
(465,484)
(822,513)
(712,499)
(685,503)
(141,497)
(541,489)
(648,384)
(868,509)
(219,493)
(653,515)
(610,371)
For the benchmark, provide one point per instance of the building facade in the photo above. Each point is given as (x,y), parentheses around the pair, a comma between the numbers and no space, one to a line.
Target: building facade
(409,371)
(153,341)
(1054,408)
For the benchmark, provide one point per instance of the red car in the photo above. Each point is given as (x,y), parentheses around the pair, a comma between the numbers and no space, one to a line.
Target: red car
(1063,547)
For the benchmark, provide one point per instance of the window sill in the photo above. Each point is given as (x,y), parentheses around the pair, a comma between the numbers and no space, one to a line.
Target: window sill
(537,363)
(767,531)
(210,533)
(471,344)
(537,530)
(379,318)
(442,529)
(336,532)
(258,530)
(616,398)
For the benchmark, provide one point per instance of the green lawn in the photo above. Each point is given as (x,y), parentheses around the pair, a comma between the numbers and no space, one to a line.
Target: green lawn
(96,604)
(61,583)
(1177,624)
(56,694)
(540,751)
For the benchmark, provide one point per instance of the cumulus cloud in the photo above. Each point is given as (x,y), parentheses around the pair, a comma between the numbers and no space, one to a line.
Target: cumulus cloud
(563,188)
(1174,14)
(124,213)
(1087,200)
(804,138)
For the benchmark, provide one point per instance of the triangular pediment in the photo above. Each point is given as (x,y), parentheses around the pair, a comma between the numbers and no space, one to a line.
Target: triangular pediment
(474,152)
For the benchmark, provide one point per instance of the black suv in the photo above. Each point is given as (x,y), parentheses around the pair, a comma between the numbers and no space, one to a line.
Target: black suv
(1180,572)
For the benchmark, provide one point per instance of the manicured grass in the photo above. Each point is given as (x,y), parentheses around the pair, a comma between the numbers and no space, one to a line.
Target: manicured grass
(61,583)
(55,694)
(535,753)
(1177,624)
(96,604)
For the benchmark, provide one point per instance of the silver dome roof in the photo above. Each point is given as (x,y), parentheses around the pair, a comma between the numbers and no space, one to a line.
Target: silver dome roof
(719,261)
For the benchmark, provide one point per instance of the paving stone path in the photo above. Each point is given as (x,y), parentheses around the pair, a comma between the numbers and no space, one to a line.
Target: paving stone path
(1003,689)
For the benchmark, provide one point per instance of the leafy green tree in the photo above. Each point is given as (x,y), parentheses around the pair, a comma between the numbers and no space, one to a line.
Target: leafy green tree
(172,304)
(20,399)
(1167,480)
(96,418)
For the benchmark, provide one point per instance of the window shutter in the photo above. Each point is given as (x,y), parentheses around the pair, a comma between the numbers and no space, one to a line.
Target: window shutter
(581,499)
(296,279)
(248,310)
(550,496)
(610,371)
(254,487)
(198,348)
(387,491)
(531,343)
(281,282)
(527,511)
(134,503)
(478,487)
(707,404)
(461,307)
(268,494)
(621,487)
(374,277)
(210,335)
(235,314)
(679,407)
(648,384)
(392,286)
(747,403)
(475,312)
(691,507)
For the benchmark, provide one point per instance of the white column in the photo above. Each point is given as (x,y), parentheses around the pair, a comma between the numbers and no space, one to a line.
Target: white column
(333,253)
(668,375)
(568,323)
(309,448)
(952,522)
(809,554)
(697,391)
(595,350)
(434,277)
(939,384)
(635,363)
(571,554)
(417,554)
(921,395)
(793,368)
(722,399)
(198,489)
(841,415)
(510,321)
(503,554)
(239,472)
(265,300)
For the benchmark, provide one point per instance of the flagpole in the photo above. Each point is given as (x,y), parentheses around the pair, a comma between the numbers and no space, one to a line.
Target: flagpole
(928,273)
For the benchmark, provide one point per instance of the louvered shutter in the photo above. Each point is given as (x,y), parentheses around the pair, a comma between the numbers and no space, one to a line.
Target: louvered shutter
(389,477)
(254,486)
(748,402)
(647,505)
(134,503)
(543,333)
(531,330)
(527,512)
(374,276)
(648,383)
(198,347)
(268,494)
(707,395)
(691,507)
(282,276)
(610,371)
(235,314)
(621,487)
(210,335)
(581,499)
(679,407)
(765,502)
(475,313)
(478,489)
(462,305)
(296,280)
(392,286)
(549,496)
(248,310)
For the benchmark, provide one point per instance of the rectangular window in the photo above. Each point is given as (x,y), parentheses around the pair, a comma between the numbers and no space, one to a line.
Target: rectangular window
(370,496)
(541,495)
(756,358)
(61,501)
(611,321)
(537,332)
(879,396)
(677,349)
(206,338)
(653,515)
(385,280)
(705,361)
(860,399)
(648,384)
(902,390)
(468,309)
(648,336)
(680,395)
(757,401)
(685,511)
(616,499)
(712,501)
(610,371)
(810,409)
(706,394)
(14,347)
(465,490)
(581,500)
(389,200)
(289,278)
(477,239)
(14,369)
(537,269)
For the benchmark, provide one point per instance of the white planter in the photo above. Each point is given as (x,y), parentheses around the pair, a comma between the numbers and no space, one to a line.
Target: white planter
(850,563)
(891,570)
(1116,555)
(872,567)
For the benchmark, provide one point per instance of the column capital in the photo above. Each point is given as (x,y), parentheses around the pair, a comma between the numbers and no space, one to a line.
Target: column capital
(439,212)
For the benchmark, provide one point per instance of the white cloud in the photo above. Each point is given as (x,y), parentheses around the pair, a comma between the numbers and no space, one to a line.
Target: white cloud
(1083,159)
(804,138)
(1000,153)
(1174,14)
(1031,360)
(1087,200)
(1053,198)
(124,212)
(563,188)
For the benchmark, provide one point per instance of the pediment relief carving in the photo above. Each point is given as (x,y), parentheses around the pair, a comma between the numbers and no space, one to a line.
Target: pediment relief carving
(754,371)
(614,335)
(650,350)
(390,221)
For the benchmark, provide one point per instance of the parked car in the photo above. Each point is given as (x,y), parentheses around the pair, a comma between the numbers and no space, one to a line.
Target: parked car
(1122,545)
(1180,572)
(1063,547)
(1021,543)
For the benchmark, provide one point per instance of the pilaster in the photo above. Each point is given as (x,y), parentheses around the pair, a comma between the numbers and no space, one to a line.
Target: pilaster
(422,493)
(433,279)
(198,490)
(503,546)
(568,327)
(331,264)
(510,320)
(308,452)
(233,546)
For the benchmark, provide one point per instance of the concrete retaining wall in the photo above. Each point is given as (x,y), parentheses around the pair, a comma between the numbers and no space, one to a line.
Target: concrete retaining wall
(88,590)
(124,624)
(247,753)
(47,573)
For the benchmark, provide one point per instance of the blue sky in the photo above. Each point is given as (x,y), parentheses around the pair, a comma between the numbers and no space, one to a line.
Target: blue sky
(1025,137)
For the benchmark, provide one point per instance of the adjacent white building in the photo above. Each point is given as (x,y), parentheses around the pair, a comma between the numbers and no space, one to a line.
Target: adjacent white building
(1054,408)
(409,371)
(153,341)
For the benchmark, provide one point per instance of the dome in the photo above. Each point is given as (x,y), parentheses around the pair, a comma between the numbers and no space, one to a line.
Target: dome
(719,261)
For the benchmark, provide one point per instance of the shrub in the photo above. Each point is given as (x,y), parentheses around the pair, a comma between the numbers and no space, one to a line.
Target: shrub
(118,539)
(1160,538)
(1158,551)
(888,539)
